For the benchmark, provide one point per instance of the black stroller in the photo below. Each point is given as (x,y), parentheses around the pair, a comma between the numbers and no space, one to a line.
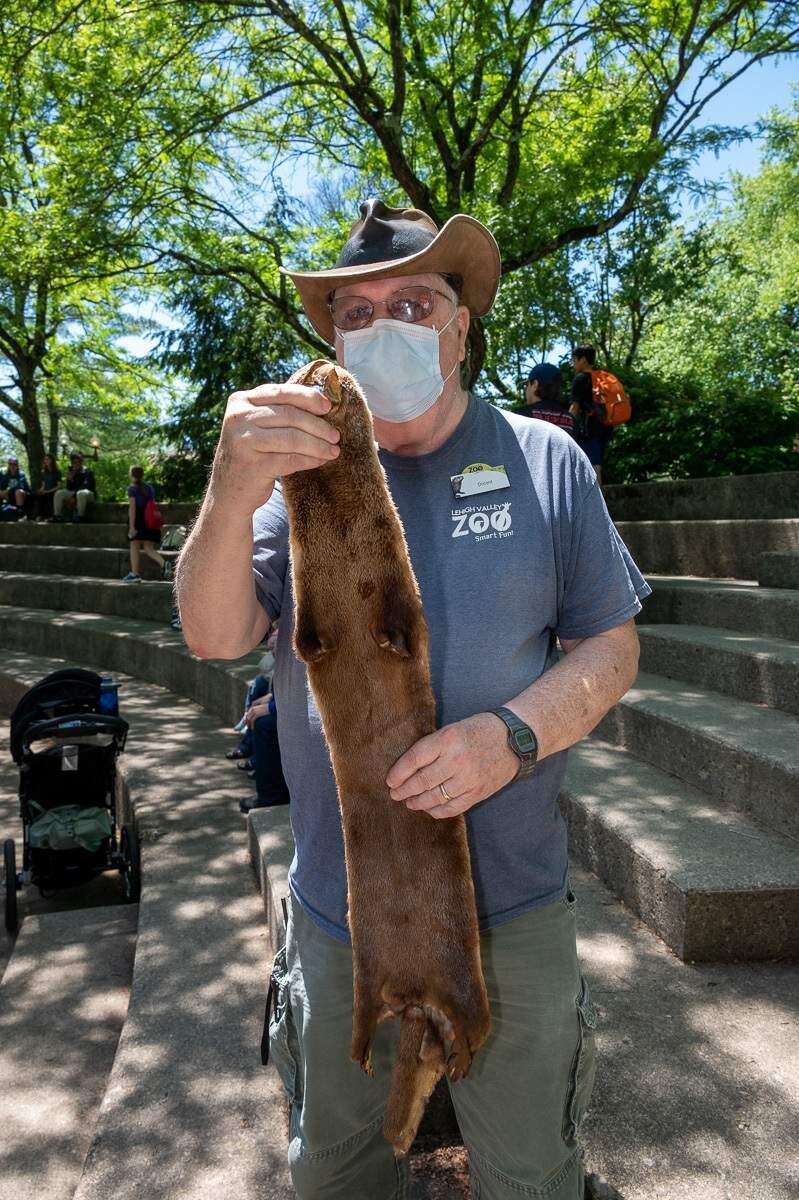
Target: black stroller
(66,747)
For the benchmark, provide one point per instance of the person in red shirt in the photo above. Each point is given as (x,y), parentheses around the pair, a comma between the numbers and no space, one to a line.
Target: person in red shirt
(542,397)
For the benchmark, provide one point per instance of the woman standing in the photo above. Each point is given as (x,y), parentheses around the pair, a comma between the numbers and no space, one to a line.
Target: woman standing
(142,539)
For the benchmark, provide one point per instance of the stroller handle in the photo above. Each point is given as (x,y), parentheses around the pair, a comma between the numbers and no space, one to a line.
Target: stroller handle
(77,724)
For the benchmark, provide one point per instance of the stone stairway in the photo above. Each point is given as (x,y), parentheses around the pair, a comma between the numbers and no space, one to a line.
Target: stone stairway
(684,803)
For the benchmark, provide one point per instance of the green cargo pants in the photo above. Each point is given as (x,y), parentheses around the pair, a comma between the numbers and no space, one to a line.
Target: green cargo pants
(520,1108)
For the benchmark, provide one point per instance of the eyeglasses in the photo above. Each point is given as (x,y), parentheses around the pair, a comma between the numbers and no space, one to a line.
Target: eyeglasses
(410,304)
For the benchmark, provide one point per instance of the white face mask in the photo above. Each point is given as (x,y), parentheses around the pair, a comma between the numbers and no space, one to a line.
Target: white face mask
(397,365)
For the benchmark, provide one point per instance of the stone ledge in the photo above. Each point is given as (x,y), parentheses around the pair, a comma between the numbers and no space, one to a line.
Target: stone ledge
(729,549)
(724,497)
(779,570)
(754,669)
(712,886)
(148,651)
(87,533)
(742,757)
(88,561)
(115,512)
(148,601)
(722,603)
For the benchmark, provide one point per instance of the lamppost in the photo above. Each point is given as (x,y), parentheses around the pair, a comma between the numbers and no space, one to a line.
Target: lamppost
(95,445)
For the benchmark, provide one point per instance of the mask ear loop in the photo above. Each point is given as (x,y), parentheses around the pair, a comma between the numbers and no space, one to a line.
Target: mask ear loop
(439,332)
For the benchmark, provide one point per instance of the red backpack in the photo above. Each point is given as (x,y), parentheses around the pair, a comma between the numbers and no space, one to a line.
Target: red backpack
(153,517)
(612,404)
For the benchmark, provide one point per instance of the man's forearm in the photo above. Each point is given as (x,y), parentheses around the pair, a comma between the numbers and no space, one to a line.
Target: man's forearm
(220,612)
(568,701)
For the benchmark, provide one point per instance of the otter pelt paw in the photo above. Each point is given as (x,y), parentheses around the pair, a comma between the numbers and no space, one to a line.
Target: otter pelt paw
(322,374)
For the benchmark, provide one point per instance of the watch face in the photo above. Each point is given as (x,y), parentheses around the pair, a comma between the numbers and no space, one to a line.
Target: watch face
(525,741)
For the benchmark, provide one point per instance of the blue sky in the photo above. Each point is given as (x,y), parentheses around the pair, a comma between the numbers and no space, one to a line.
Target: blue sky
(762,87)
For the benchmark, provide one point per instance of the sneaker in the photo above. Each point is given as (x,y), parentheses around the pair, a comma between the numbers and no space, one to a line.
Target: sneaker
(168,572)
(247,806)
(132,577)
(246,765)
(174,620)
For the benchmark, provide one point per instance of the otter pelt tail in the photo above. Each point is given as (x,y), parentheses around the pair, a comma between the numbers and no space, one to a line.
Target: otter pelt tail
(360,628)
(418,1068)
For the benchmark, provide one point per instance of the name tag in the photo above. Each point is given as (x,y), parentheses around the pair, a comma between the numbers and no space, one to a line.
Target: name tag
(478,478)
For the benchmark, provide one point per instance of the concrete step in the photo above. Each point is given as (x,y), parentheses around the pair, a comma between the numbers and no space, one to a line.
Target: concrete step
(722,603)
(755,669)
(746,758)
(74,560)
(189,1113)
(779,569)
(710,884)
(63,1000)
(31,533)
(174,514)
(150,651)
(149,601)
(730,549)
(725,497)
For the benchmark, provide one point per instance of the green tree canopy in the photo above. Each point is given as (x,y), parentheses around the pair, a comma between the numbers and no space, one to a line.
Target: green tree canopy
(106,110)
(546,120)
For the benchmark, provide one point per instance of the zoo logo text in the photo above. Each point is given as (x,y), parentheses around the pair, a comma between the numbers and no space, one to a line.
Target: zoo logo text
(485,522)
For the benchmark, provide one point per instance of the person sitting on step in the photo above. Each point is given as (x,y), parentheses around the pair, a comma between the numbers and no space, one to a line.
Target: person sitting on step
(51,480)
(78,490)
(270,784)
(143,540)
(14,486)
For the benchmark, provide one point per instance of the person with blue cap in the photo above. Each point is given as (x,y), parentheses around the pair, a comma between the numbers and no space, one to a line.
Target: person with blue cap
(513,548)
(542,397)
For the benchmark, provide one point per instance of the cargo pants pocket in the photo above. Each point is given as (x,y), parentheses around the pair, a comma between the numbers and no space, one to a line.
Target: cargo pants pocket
(279,1042)
(583,1068)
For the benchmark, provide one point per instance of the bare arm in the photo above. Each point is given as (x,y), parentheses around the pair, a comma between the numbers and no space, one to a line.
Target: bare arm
(566,703)
(472,758)
(270,431)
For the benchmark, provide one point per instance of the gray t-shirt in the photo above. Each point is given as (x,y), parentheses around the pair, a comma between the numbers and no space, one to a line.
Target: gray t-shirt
(501,572)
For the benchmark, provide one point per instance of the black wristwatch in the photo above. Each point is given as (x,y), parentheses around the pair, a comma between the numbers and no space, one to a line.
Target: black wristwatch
(521,740)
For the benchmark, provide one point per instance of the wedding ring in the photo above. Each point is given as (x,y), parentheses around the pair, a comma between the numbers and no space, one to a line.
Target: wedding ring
(445,793)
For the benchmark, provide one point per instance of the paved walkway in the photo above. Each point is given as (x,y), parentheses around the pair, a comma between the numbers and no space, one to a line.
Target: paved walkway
(697,1092)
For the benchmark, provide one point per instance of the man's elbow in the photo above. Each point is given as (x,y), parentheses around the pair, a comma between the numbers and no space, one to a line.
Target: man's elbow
(630,659)
(202,646)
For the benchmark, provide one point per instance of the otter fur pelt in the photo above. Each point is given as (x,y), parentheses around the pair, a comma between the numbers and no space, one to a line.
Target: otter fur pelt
(360,628)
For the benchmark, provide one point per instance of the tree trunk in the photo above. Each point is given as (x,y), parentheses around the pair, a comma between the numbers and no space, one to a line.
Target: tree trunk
(33,425)
(53,428)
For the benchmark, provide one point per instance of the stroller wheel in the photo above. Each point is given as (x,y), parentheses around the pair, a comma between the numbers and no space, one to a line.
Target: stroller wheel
(131,864)
(10,860)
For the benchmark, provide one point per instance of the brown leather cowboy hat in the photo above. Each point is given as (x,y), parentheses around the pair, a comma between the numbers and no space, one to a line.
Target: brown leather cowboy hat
(405,241)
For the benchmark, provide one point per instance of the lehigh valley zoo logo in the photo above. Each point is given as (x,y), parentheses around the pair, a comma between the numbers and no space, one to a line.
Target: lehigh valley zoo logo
(483,523)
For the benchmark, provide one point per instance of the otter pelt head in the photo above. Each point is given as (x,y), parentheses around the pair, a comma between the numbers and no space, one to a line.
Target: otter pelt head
(349,413)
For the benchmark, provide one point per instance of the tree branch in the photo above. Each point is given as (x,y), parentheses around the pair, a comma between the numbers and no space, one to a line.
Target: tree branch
(14,430)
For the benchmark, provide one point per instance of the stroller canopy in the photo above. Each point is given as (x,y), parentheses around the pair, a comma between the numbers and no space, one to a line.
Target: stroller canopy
(69,691)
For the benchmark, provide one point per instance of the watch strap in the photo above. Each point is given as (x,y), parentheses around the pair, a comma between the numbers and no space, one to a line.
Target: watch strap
(521,740)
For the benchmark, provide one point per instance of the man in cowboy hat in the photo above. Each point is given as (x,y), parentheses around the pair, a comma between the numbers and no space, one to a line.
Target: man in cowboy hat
(512,546)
